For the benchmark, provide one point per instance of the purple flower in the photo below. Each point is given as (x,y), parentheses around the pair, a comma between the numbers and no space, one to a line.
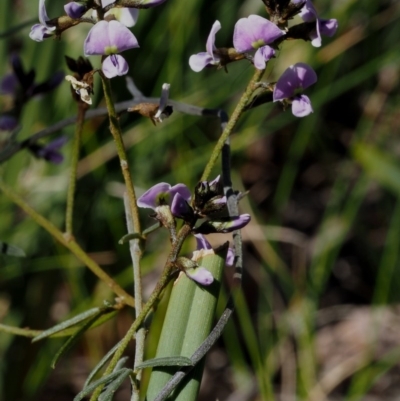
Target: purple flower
(50,151)
(297,77)
(164,194)
(255,33)
(75,10)
(43,30)
(8,123)
(322,26)
(109,38)
(204,59)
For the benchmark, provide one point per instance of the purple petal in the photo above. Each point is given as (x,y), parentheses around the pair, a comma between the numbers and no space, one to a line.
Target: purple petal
(182,190)
(75,10)
(8,84)
(39,32)
(201,275)
(180,207)
(262,55)
(155,195)
(97,39)
(201,242)
(238,222)
(121,37)
(210,45)
(127,16)
(328,27)
(298,76)
(8,123)
(199,61)
(308,13)
(43,18)
(301,106)
(253,32)
(114,65)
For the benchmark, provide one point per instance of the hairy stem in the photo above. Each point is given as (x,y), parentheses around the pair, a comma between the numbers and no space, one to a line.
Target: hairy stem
(240,107)
(117,135)
(69,243)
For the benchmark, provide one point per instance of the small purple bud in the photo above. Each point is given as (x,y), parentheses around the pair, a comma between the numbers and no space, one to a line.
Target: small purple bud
(114,65)
(50,151)
(75,10)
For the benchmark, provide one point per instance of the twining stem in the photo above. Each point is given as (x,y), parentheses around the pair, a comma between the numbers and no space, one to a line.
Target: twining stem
(154,297)
(74,167)
(69,243)
(244,100)
(117,135)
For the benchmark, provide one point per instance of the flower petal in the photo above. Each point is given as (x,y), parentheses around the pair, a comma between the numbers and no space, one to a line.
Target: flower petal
(114,65)
(182,189)
(328,27)
(151,198)
(301,106)
(253,32)
(127,16)
(201,275)
(201,242)
(297,76)
(179,207)
(43,18)
(39,32)
(8,84)
(97,39)
(199,61)
(121,37)
(210,45)
(262,55)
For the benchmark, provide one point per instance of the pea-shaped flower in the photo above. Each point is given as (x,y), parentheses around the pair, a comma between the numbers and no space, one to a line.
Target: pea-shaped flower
(290,85)
(325,27)
(110,38)
(44,29)
(256,33)
(205,59)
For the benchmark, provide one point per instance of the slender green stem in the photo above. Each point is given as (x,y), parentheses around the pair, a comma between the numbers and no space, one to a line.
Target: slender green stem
(117,135)
(74,167)
(134,247)
(69,243)
(160,286)
(251,87)
(18,331)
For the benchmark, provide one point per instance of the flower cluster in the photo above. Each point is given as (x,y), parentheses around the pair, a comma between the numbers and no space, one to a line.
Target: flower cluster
(108,37)
(260,36)
(208,202)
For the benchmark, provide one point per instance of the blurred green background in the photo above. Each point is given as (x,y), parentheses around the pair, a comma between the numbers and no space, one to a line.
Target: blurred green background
(319,317)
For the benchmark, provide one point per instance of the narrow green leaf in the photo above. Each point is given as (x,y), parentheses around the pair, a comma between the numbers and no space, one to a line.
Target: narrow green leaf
(72,340)
(68,323)
(166,361)
(106,379)
(102,362)
(11,250)
(109,392)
